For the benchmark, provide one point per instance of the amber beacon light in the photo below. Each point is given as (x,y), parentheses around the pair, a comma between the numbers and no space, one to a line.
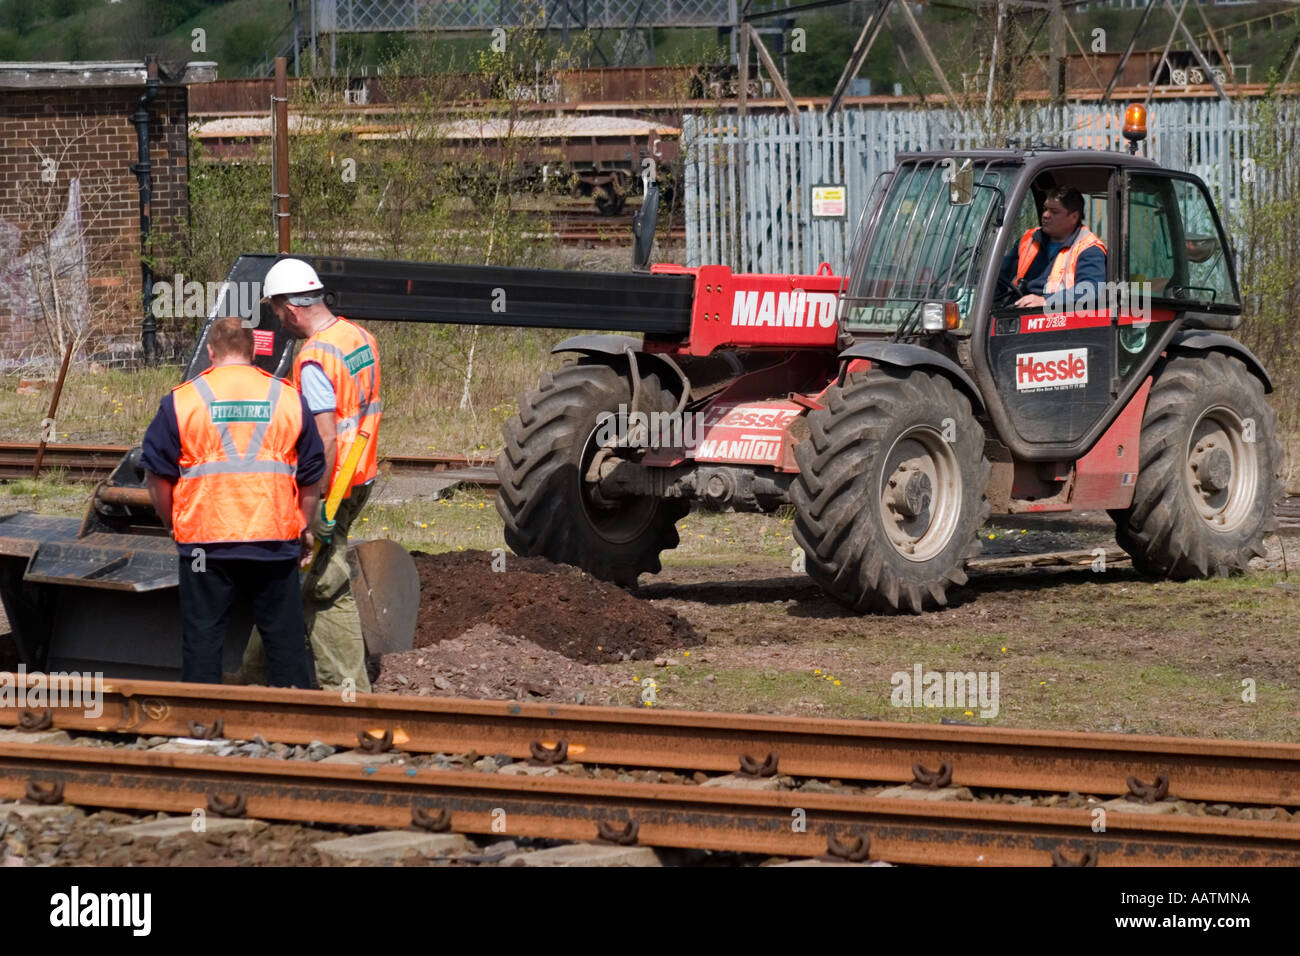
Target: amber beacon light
(1135,126)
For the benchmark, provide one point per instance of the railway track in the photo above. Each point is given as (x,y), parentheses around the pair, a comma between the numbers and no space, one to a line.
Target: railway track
(571,225)
(96,463)
(726,814)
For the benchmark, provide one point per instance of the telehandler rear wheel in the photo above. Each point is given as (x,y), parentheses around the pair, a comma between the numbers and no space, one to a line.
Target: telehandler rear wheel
(547,506)
(890,492)
(1210,463)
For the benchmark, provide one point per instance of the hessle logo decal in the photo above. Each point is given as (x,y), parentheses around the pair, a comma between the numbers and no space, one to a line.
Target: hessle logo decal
(1064,368)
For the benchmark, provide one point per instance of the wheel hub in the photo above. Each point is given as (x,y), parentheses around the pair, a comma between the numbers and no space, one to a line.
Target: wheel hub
(920,493)
(1222,469)
(1212,466)
(910,490)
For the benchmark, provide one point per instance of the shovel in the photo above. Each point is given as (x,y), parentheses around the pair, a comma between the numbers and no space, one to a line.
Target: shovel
(384,581)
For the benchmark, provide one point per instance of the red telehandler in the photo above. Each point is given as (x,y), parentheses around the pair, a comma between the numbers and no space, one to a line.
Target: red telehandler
(897,406)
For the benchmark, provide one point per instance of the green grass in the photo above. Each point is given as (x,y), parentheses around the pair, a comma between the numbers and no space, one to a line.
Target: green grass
(52,493)
(1169,692)
(112,31)
(463,522)
(105,406)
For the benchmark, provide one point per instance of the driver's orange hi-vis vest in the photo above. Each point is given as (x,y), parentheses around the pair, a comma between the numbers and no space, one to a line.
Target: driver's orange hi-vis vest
(349,357)
(239,430)
(1062,274)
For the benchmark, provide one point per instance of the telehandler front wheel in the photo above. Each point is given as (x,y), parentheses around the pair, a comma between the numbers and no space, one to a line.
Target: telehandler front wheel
(1209,471)
(545,502)
(890,493)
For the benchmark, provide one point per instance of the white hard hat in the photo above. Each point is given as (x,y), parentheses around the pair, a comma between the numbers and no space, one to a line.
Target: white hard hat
(290,277)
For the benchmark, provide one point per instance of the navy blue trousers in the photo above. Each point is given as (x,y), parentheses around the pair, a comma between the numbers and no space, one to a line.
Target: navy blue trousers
(274,591)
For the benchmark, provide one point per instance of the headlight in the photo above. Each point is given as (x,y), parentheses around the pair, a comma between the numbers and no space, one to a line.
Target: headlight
(937,316)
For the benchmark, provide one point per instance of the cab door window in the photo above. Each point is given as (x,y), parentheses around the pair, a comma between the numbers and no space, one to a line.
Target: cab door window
(1154,235)
(1208,275)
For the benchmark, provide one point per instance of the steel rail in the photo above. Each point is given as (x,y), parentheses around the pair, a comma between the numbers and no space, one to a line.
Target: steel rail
(96,462)
(1001,758)
(897,831)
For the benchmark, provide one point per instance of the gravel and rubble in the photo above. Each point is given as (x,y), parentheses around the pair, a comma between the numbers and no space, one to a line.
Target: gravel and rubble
(485,662)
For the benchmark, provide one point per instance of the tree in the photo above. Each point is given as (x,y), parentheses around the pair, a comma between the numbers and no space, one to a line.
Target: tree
(18,15)
(245,45)
(830,43)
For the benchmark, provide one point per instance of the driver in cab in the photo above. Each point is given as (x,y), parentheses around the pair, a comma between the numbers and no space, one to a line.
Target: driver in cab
(1056,258)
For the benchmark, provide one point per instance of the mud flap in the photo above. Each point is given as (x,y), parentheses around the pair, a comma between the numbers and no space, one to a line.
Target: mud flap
(387,591)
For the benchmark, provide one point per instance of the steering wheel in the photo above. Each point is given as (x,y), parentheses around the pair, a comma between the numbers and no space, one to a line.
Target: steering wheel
(1005,293)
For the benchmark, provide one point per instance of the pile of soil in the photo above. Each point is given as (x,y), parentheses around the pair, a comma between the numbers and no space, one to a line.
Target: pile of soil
(486,663)
(556,607)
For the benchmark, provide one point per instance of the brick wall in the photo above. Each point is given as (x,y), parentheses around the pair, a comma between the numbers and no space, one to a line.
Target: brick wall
(89,136)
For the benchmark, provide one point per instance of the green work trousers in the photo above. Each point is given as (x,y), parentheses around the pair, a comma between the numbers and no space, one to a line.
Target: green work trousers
(330,610)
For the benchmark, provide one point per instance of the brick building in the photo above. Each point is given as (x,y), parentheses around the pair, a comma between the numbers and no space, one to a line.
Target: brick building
(70,203)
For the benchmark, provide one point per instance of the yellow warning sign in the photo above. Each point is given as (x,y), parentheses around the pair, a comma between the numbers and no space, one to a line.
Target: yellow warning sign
(829,201)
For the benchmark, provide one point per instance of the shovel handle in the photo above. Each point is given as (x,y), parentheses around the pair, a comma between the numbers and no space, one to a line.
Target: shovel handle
(341,485)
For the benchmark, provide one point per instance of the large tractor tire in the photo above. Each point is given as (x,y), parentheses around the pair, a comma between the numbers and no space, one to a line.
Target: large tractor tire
(890,494)
(1209,471)
(547,506)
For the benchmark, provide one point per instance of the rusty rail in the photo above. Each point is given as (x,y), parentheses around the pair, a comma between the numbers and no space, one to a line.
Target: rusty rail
(96,462)
(895,830)
(1237,772)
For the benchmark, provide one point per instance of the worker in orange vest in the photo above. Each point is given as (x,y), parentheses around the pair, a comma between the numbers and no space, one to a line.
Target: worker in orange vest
(233,461)
(1054,260)
(337,369)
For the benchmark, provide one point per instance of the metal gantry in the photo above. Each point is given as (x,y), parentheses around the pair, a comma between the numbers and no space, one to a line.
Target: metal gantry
(386,16)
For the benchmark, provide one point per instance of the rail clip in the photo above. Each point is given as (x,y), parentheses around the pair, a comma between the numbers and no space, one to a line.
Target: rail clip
(752,768)
(1149,793)
(549,756)
(934,779)
(371,744)
(853,849)
(423,819)
(47,794)
(623,836)
(29,721)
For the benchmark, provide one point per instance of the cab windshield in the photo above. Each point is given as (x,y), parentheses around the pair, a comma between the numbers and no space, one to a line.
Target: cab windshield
(914,245)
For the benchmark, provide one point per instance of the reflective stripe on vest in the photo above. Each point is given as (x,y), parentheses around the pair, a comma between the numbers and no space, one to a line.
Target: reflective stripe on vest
(1061,275)
(357,405)
(223,495)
